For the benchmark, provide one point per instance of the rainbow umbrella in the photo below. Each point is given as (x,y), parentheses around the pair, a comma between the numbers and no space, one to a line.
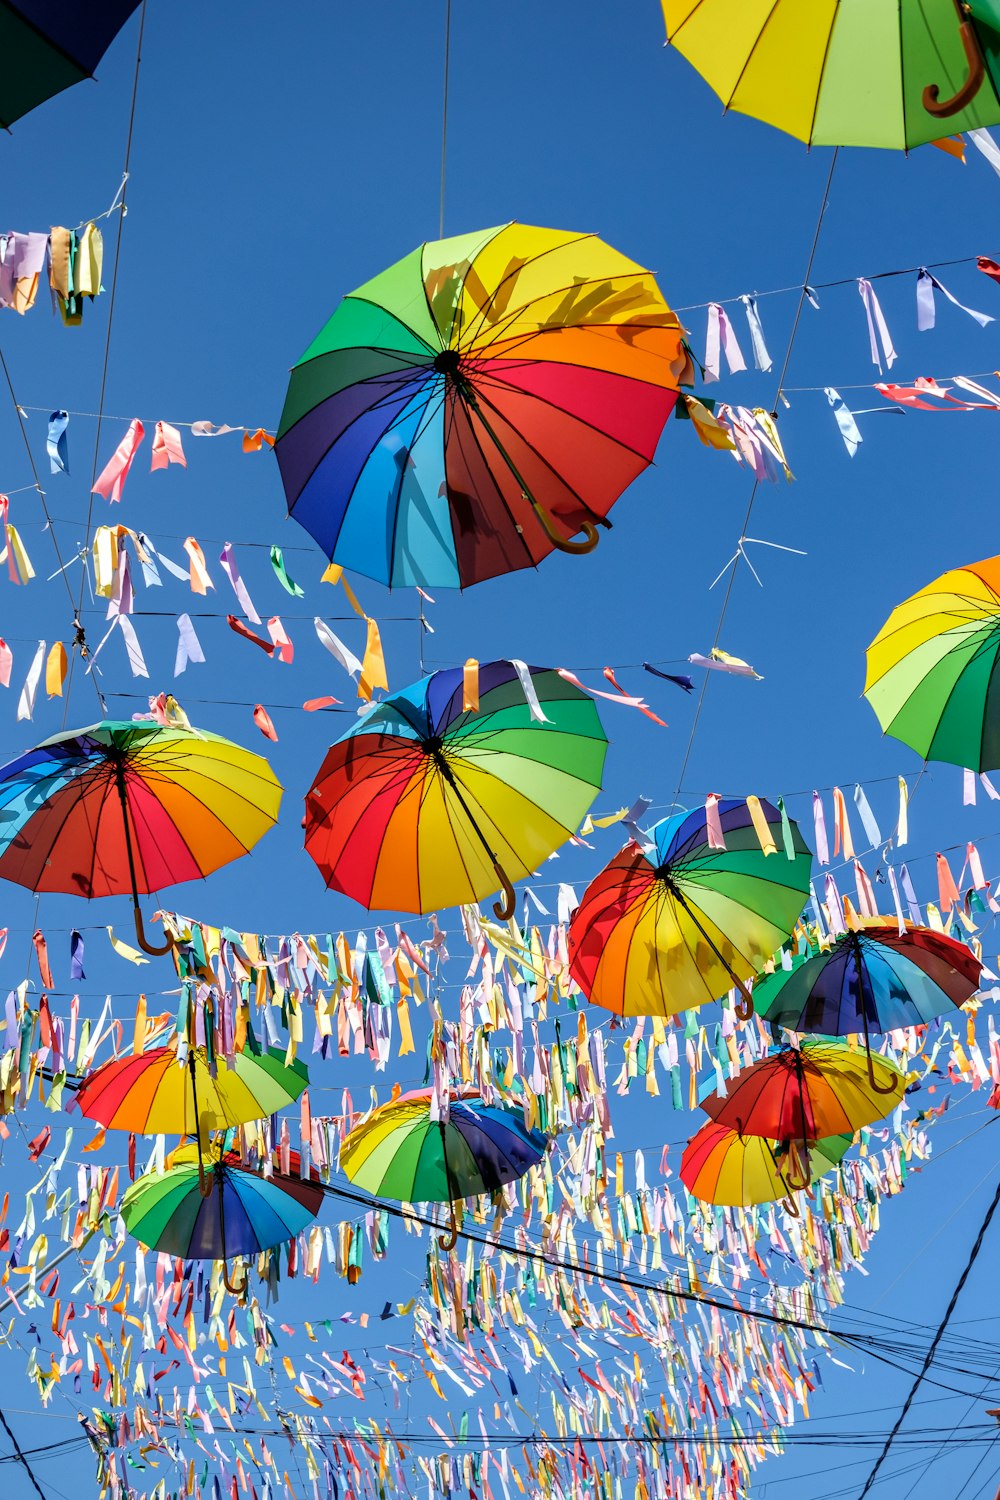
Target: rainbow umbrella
(425,802)
(872,979)
(847,72)
(399,1152)
(478,403)
(721,1166)
(932,669)
(677,923)
(155,1093)
(125,807)
(48,45)
(244,1214)
(805,1094)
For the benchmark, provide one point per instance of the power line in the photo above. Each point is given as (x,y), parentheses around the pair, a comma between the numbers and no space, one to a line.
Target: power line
(929,1357)
(19,1454)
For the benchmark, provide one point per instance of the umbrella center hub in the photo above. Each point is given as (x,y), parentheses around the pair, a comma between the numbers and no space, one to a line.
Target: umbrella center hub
(447,362)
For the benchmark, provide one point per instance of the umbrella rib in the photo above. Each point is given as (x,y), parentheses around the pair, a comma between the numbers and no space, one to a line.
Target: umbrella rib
(486,354)
(468,335)
(573,416)
(560,478)
(693,954)
(727,103)
(375,406)
(407,356)
(517,530)
(430,411)
(446,342)
(501,331)
(380,307)
(822,76)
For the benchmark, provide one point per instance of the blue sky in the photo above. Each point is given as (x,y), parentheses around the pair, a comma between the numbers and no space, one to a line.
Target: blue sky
(281,156)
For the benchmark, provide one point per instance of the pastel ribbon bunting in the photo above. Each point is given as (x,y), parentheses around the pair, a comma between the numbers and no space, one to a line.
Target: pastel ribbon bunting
(878,330)
(188,645)
(111,480)
(57,443)
(167,447)
(721,338)
(227,560)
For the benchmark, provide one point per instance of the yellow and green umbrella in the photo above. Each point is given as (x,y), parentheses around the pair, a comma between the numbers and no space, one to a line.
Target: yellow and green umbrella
(722,1166)
(848,72)
(432,800)
(932,669)
(400,1152)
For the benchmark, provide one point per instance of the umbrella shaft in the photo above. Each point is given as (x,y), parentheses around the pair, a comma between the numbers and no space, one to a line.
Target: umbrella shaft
(450,778)
(747,997)
(123,798)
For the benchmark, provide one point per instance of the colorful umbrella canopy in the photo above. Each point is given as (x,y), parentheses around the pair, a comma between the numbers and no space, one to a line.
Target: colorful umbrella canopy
(478,403)
(426,803)
(932,677)
(244,1214)
(48,45)
(673,925)
(399,1152)
(872,979)
(125,807)
(805,1094)
(847,72)
(154,1094)
(721,1166)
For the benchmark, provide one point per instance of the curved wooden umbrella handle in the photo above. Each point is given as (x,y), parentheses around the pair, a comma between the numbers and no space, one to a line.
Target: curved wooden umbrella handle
(143,941)
(942,108)
(564,544)
(240,1287)
(448,1241)
(876,1086)
(744,1006)
(791,1207)
(800,1177)
(506,907)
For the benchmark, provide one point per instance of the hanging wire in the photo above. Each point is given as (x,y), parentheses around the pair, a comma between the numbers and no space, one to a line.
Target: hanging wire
(80,642)
(734,566)
(444,110)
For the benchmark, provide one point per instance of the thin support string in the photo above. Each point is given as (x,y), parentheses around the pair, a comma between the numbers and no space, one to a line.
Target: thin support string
(734,565)
(444,110)
(122,214)
(37,485)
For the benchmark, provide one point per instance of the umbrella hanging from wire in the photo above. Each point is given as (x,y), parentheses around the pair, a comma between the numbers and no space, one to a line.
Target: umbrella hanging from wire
(243,1214)
(872,979)
(126,808)
(805,1094)
(723,1166)
(678,922)
(479,402)
(843,73)
(399,1151)
(155,1093)
(432,800)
